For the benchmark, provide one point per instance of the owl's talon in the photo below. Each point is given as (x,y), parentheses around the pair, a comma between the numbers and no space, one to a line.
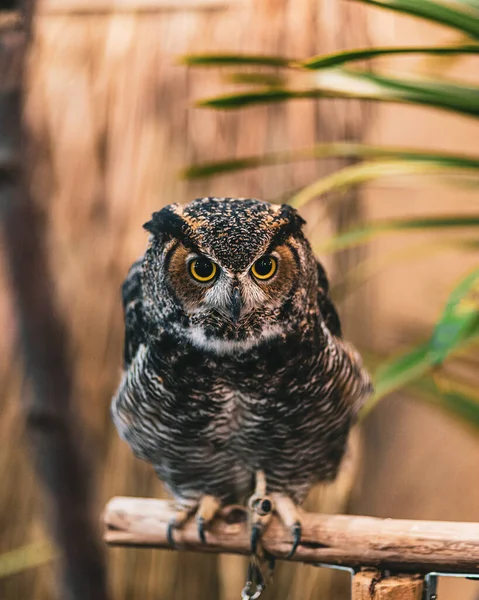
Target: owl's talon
(201,529)
(290,514)
(208,508)
(296,530)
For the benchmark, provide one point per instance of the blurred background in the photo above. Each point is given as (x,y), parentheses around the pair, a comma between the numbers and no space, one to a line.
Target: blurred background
(112,124)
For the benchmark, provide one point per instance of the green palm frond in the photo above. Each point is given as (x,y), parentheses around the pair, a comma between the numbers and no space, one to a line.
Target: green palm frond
(343,83)
(457,329)
(462,15)
(337,59)
(371,171)
(235,60)
(460,316)
(27,557)
(458,401)
(363,234)
(334,150)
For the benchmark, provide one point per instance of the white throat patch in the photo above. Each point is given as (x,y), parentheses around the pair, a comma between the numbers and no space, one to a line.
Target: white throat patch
(198,338)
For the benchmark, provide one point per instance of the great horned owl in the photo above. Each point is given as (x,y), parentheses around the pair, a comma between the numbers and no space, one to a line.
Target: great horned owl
(236,379)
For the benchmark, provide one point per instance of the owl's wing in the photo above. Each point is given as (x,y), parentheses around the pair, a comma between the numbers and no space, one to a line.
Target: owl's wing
(350,377)
(326,305)
(131,294)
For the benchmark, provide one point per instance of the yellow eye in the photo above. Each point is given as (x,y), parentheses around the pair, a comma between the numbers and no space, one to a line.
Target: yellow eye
(202,269)
(265,267)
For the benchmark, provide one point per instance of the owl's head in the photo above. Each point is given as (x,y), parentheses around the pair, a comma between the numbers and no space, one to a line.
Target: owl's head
(227,273)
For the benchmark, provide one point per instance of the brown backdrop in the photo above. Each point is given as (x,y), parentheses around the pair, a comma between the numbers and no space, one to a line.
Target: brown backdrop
(109,110)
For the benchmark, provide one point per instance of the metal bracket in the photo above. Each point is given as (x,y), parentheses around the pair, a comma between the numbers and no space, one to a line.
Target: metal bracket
(430,580)
(350,570)
(430,586)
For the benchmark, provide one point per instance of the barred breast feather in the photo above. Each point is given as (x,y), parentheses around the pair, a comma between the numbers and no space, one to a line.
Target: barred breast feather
(207,421)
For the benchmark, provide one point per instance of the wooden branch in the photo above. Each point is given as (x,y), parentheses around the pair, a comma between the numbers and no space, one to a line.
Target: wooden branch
(85,7)
(51,426)
(400,545)
(371,585)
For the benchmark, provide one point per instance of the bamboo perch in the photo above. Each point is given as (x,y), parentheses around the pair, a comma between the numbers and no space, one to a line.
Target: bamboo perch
(400,545)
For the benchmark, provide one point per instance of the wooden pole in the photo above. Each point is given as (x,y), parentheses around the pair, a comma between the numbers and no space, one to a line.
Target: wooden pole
(350,541)
(12,46)
(371,585)
(51,427)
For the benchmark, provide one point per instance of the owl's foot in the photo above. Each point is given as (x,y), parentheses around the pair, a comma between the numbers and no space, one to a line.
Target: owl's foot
(207,510)
(291,516)
(261,510)
(262,507)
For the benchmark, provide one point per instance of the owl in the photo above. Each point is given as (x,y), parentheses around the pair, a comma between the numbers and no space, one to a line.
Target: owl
(237,385)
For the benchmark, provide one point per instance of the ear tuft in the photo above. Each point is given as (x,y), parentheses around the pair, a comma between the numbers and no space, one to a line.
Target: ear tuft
(294,221)
(165,221)
(289,222)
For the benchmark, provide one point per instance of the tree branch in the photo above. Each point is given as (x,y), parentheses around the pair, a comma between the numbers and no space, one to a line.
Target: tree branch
(400,545)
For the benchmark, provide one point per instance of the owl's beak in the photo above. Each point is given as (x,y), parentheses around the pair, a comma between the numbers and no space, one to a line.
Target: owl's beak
(235,304)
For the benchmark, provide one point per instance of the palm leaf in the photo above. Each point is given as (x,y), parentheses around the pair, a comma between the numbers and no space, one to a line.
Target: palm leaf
(466,20)
(460,403)
(397,373)
(323,61)
(371,86)
(460,406)
(241,100)
(344,83)
(27,557)
(235,60)
(445,383)
(360,235)
(340,149)
(338,59)
(459,318)
(366,172)
(410,366)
